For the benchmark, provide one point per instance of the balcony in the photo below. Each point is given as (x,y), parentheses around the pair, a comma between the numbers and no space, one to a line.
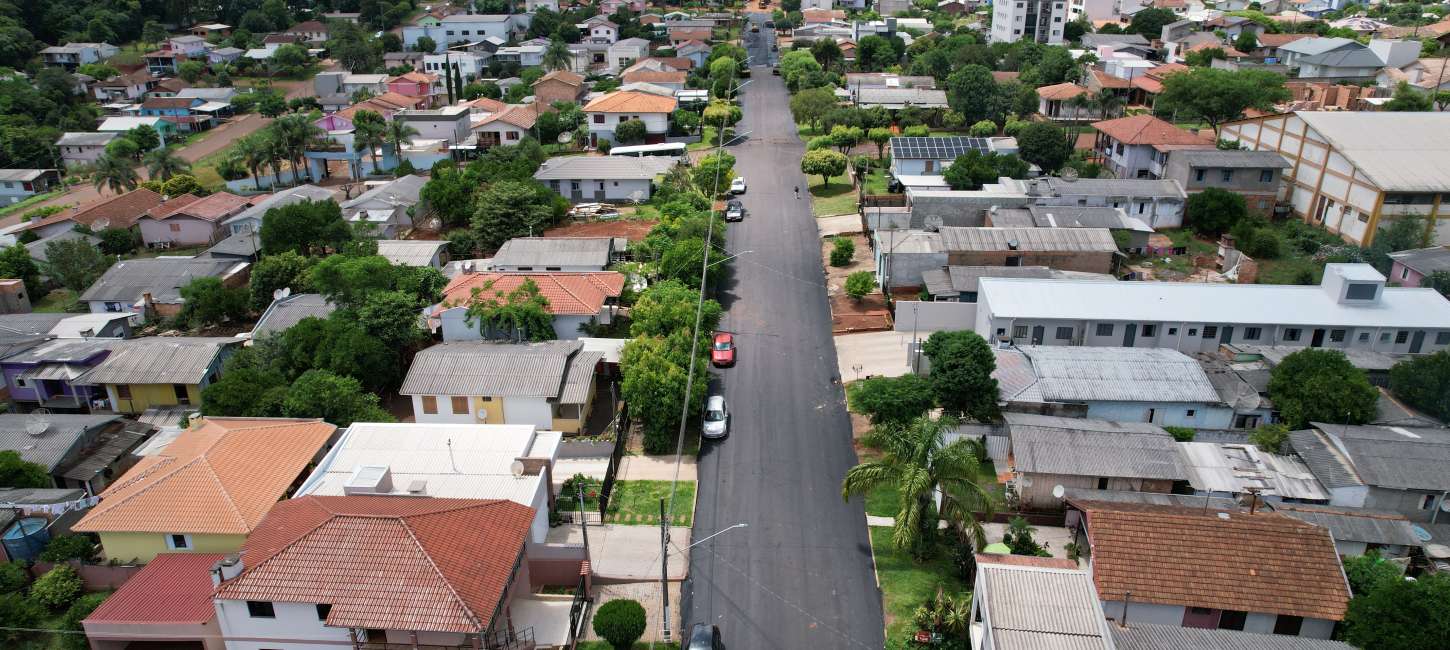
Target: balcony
(502,640)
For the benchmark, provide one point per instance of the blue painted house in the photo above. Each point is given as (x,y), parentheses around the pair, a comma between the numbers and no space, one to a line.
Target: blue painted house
(181,111)
(41,375)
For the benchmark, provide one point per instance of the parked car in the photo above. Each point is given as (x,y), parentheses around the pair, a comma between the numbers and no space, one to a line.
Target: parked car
(734,210)
(737,186)
(717,419)
(704,637)
(722,354)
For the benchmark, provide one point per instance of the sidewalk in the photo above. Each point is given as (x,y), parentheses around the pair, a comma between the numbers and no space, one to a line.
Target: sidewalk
(655,468)
(627,553)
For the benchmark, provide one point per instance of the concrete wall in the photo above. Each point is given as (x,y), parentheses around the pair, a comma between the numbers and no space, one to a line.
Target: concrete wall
(1036,489)
(905,269)
(455,326)
(1405,276)
(1405,502)
(932,316)
(144,396)
(1168,414)
(144,547)
(591,190)
(178,230)
(295,627)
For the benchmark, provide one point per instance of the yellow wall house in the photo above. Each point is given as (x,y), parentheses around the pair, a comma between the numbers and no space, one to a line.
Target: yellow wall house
(159,371)
(208,489)
(549,385)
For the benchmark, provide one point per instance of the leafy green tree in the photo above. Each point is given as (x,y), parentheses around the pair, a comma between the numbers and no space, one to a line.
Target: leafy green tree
(917,460)
(122,149)
(1406,98)
(1270,437)
(13,577)
(1423,381)
(972,170)
(557,55)
(145,137)
(58,588)
(825,162)
(859,284)
(1181,434)
(209,302)
(1217,96)
(1215,210)
(337,399)
(283,270)
(391,317)
(961,374)
(74,263)
(1043,144)
(879,136)
(1149,22)
(508,209)
(63,548)
(518,315)
(891,401)
(842,251)
(844,137)
(18,613)
(306,228)
(810,105)
(1439,281)
(191,71)
(71,622)
(1247,41)
(1401,614)
(117,241)
(1319,385)
(425,44)
(796,67)
(713,172)
(347,280)
(620,622)
(16,263)
(368,127)
(973,92)
(668,307)
(182,184)
(721,114)
(16,472)
(1367,571)
(629,132)
(655,372)
(449,194)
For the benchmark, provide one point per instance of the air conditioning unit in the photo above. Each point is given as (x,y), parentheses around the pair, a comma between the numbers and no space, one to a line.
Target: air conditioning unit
(369,479)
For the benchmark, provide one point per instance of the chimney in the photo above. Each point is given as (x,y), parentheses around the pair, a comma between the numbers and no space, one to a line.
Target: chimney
(225,569)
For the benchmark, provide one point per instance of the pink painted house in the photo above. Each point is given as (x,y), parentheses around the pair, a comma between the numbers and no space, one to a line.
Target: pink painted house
(417,85)
(189,221)
(1410,267)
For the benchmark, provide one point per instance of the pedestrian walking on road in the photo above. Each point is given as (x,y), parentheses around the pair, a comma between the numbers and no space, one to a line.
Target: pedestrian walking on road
(797,192)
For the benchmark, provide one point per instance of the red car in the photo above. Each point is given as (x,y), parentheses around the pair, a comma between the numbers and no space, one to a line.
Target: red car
(722,354)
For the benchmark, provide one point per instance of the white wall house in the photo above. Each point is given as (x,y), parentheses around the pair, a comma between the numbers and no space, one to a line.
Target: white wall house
(602,178)
(1033,20)
(450,123)
(467,28)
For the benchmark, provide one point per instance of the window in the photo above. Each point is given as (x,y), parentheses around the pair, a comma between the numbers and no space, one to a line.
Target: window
(1443,338)
(1364,337)
(1402,336)
(1427,501)
(1384,337)
(177,542)
(430,405)
(1001,331)
(1149,330)
(1404,273)
(1189,413)
(323,609)
(1019,331)
(1362,216)
(175,227)
(1064,333)
(1228,175)
(123,391)
(261,609)
(1266,176)
(1252,333)
(1105,329)
(1172,331)
(566,411)
(599,118)
(1193,331)
(1210,331)
(460,404)
(969,296)
(1118,148)
(1232,620)
(1336,336)
(1198,174)
(1102,482)
(511,135)
(1288,625)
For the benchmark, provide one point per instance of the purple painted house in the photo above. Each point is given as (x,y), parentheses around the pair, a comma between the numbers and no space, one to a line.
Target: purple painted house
(1410,267)
(41,376)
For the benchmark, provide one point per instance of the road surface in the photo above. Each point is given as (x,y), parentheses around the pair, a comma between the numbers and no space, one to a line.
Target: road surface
(801,575)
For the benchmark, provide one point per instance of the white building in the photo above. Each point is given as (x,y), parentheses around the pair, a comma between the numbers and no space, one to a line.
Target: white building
(467,28)
(603,178)
(1158,203)
(470,65)
(1350,309)
(623,53)
(450,123)
(1026,602)
(1034,20)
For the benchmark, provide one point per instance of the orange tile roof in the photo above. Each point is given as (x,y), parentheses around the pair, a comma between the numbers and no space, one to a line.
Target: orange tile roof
(579,294)
(173,588)
(1147,84)
(415,77)
(219,477)
(1106,80)
(563,76)
(1166,69)
(1060,91)
(654,77)
(519,115)
(1278,40)
(399,563)
(1003,76)
(1145,129)
(214,207)
(1264,562)
(628,101)
(121,211)
(488,105)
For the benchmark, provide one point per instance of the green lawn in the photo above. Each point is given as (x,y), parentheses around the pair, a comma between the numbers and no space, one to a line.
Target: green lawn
(884,501)
(837,198)
(708,139)
(638,502)
(27,203)
(1288,269)
(55,302)
(876,181)
(906,584)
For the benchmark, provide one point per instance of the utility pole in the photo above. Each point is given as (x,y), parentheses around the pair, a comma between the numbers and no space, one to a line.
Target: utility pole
(665,571)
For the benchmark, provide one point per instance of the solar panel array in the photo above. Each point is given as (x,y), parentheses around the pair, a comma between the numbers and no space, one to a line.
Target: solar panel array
(936,148)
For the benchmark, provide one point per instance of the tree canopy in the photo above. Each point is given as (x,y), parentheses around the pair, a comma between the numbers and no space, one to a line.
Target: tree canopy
(1320,385)
(1423,382)
(1217,96)
(961,374)
(306,227)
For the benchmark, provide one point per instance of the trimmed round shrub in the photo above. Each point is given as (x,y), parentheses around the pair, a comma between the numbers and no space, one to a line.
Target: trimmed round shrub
(844,250)
(57,589)
(620,622)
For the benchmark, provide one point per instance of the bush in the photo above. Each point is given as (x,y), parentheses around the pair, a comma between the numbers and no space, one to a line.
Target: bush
(844,249)
(859,284)
(1423,382)
(69,547)
(1181,434)
(620,622)
(404,168)
(57,589)
(73,617)
(13,577)
(17,611)
(1270,438)
(918,131)
(117,241)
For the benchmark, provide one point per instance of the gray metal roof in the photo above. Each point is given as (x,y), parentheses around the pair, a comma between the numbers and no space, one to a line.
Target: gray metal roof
(162,277)
(1038,607)
(60,438)
(540,252)
(21,174)
(1094,240)
(28,325)
(1092,40)
(37,247)
(403,191)
(1362,359)
(1124,187)
(1398,151)
(158,360)
(410,252)
(285,197)
(495,369)
(1241,468)
(1318,45)
(964,278)
(38,496)
(62,351)
(1232,158)
(1355,524)
(1065,216)
(1054,445)
(1078,495)
(1394,457)
(881,96)
(1144,636)
(286,312)
(602,168)
(1424,260)
(1327,462)
(110,447)
(1091,374)
(1360,57)
(211,94)
(243,245)
(86,139)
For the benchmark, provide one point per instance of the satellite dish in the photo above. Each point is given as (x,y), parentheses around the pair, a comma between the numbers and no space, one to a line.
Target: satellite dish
(37,423)
(281,293)
(1069,174)
(933,223)
(1058,491)
(101,224)
(565,137)
(517,468)
(1444,505)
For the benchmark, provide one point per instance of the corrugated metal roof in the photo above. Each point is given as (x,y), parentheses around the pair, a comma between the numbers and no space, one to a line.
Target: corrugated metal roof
(1356,525)
(1089,374)
(1097,240)
(541,252)
(1124,187)
(491,369)
(1394,457)
(1327,462)
(285,197)
(603,168)
(61,436)
(1232,158)
(72,351)
(286,312)
(410,252)
(158,360)
(163,278)
(113,445)
(1424,260)
(1053,445)
(1035,607)
(1236,469)
(1143,636)
(1398,151)
(1078,495)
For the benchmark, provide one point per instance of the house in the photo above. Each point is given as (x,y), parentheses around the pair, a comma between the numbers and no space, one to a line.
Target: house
(696,51)
(128,87)
(1350,309)
(1137,146)
(42,376)
(1158,386)
(286,311)
(1048,452)
(76,451)
(416,85)
(462,563)
(130,616)
(1358,531)
(1147,636)
(449,124)
(188,114)
(1389,468)
(415,252)
(211,29)
(1247,473)
(1429,75)
(162,62)
(17,185)
(1091,250)
(83,148)
(918,156)
(197,222)
(121,211)
(163,128)
(1254,175)
(465,28)
(1132,229)
(158,371)
(508,126)
(575,300)
(1056,102)
(671,79)
(895,99)
(559,86)
(74,55)
(1012,22)
(605,113)
(1021,601)
(959,283)
(1412,266)
(388,208)
(187,45)
(1159,203)
(312,32)
(208,490)
(904,257)
(250,219)
(1255,572)
(152,286)
(445,461)
(377,84)
(680,35)
(1380,165)
(603,178)
(599,29)
(548,385)
(626,51)
(569,254)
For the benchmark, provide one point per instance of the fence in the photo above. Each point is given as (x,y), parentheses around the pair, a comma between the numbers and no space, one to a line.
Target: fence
(621,440)
(579,610)
(97,577)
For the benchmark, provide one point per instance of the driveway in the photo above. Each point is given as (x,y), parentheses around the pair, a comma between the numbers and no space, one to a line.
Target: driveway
(801,575)
(626,553)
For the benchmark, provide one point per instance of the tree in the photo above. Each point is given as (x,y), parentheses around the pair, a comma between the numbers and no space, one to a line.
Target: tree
(18,473)
(182,184)
(114,174)
(145,137)
(972,170)
(521,314)
(1401,614)
(191,71)
(983,129)
(74,263)
(961,374)
(123,148)
(71,622)
(64,548)
(1149,22)
(1045,145)
(337,399)
(879,136)
(396,134)
(347,279)
(825,162)
(1215,211)
(721,114)
(797,67)
(1247,41)
(367,135)
(1270,438)
(117,241)
(973,92)
(844,137)
(722,77)
(842,250)
(449,194)
(810,105)
(668,307)
(58,588)
(1217,96)
(18,613)
(1439,281)
(919,463)
(891,401)
(620,622)
(826,52)
(557,55)
(306,228)
(655,373)
(859,284)
(425,44)
(391,317)
(713,172)
(629,132)
(273,272)
(1423,382)
(508,209)
(1365,572)
(1409,99)
(16,263)
(209,302)
(13,577)
(164,162)
(1320,385)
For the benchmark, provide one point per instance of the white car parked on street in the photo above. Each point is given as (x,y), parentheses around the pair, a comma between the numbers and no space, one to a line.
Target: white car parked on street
(717,419)
(737,186)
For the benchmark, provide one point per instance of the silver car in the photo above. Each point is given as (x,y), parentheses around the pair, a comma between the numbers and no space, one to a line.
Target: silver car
(717,418)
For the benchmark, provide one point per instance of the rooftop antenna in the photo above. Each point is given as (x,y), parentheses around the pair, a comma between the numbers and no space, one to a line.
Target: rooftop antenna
(450,456)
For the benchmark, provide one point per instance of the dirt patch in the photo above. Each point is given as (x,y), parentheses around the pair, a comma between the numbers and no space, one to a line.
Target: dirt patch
(847,315)
(633,230)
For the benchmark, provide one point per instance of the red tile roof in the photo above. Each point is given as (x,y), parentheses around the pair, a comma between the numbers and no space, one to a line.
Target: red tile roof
(654,77)
(210,208)
(121,211)
(1060,91)
(580,294)
(488,105)
(1146,129)
(1004,76)
(627,101)
(522,116)
(172,205)
(174,588)
(1105,80)
(386,562)
(1264,562)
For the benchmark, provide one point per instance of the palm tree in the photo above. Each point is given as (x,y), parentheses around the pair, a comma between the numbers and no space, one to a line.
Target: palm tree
(276,152)
(114,173)
(557,56)
(1107,103)
(396,134)
(297,132)
(251,152)
(921,465)
(163,163)
(367,135)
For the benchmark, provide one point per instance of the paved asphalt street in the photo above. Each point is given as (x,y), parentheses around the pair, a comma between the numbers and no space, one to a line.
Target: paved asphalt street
(800,576)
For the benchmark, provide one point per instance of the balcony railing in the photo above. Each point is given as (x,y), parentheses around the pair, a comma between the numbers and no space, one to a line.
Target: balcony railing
(502,640)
